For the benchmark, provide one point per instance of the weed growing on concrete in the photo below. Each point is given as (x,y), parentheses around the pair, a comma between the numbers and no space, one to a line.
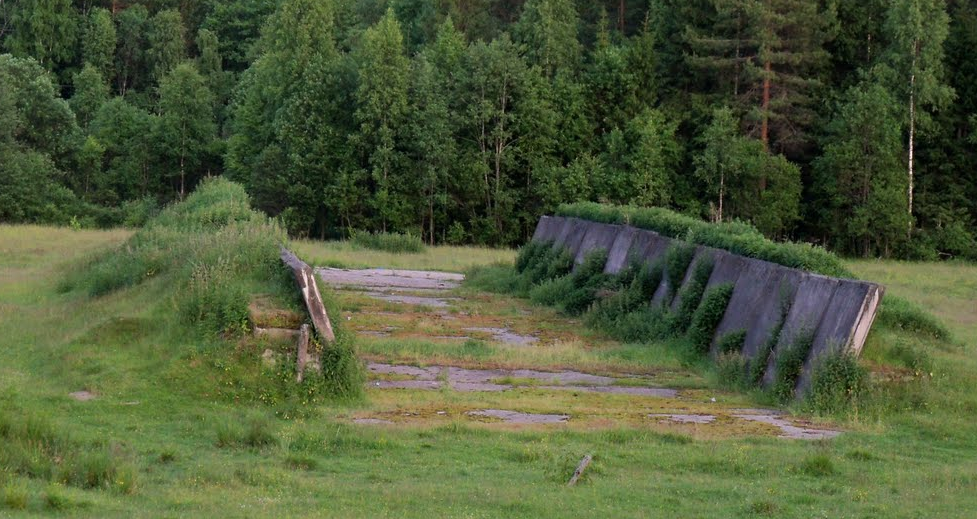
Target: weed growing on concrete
(790,364)
(691,294)
(732,342)
(707,317)
(677,260)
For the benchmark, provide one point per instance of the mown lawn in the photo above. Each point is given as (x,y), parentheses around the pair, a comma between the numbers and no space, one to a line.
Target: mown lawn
(192,447)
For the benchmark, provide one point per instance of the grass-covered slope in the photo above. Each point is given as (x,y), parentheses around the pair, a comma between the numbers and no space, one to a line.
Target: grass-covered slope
(137,328)
(187,439)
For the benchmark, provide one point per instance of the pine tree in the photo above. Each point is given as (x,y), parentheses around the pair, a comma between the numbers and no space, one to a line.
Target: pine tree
(770,57)
(549,30)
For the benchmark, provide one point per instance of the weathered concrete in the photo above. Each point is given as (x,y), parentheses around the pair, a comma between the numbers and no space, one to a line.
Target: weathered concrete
(766,297)
(596,236)
(619,253)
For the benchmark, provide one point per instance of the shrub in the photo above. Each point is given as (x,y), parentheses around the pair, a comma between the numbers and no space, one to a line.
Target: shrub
(691,294)
(637,295)
(735,237)
(790,363)
(216,300)
(707,317)
(15,496)
(818,465)
(253,431)
(731,370)
(388,242)
(836,384)
(732,342)
(899,313)
(677,260)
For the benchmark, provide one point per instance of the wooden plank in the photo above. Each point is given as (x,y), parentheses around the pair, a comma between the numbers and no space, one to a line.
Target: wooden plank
(305,279)
(580,468)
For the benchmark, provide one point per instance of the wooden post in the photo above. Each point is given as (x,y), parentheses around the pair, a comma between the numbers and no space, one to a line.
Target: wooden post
(305,279)
(303,352)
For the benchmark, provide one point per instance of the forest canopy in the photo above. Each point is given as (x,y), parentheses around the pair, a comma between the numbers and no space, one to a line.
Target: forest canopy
(845,124)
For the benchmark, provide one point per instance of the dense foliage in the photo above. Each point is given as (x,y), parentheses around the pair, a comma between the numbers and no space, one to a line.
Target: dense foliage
(847,124)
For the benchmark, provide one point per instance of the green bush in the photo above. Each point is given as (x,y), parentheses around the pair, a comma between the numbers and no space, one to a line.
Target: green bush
(253,431)
(387,242)
(735,237)
(899,313)
(836,383)
(731,370)
(732,342)
(677,259)
(608,313)
(790,364)
(707,317)
(216,300)
(691,294)
(34,448)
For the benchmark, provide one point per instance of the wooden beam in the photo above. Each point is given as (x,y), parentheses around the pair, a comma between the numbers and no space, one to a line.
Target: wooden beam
(305,279)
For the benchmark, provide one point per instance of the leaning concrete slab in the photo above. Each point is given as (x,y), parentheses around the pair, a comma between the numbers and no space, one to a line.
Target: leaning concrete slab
(767,300)
(618,254)
(596,236)
(547,229)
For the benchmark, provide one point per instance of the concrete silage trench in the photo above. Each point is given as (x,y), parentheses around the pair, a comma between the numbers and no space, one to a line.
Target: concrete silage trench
(376,300)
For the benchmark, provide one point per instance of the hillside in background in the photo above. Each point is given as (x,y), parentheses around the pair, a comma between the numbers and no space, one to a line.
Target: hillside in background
(849,125)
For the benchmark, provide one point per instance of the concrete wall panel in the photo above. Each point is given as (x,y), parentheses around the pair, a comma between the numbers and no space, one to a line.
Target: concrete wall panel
(839,313)
(597,236)
(618,255)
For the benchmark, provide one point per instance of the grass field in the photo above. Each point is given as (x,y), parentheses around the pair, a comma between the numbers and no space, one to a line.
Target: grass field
(170,435)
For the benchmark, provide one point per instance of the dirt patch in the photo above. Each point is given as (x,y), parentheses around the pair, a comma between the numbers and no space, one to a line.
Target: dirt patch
(787,429)
(433,302)
(520,418)
(468,380)
(505,335)
(385,278)
(686,418)
(83,396)
(371,421)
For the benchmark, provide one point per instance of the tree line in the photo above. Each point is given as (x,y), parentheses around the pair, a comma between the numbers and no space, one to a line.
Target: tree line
(849,124)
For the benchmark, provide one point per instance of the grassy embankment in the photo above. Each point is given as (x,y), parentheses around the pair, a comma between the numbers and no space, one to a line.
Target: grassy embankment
(181,438)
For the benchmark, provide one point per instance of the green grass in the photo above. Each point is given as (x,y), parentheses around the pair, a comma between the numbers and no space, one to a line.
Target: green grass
(388,242)
(163,400)
(344,254)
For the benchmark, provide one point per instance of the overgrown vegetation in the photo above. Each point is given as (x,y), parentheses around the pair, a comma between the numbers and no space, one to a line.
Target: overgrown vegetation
(31,447)
(789,365)
(736,237)
(217,254)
